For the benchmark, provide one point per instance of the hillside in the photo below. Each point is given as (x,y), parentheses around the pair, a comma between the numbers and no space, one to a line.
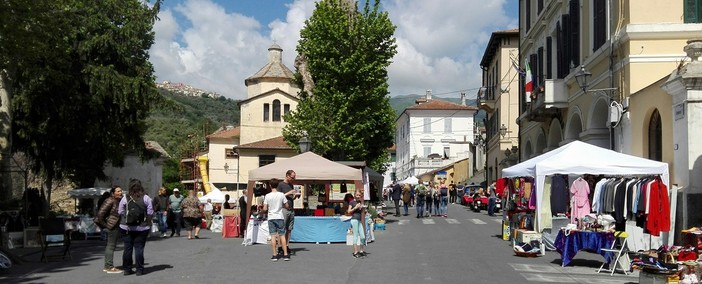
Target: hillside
(188,115)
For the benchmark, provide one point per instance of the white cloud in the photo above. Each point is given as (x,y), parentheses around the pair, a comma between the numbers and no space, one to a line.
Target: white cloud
(440,43)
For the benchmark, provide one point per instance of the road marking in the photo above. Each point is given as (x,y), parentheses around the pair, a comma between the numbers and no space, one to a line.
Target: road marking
(452,221)
(497,220)
(536,268)
(477,221)
(403,222)
(428,221)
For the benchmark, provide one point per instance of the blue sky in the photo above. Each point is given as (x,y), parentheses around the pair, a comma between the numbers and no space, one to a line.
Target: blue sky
(216,44)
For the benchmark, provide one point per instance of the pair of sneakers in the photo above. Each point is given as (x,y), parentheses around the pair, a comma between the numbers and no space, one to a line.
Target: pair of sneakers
(285,258)
(112,270)
(359,254)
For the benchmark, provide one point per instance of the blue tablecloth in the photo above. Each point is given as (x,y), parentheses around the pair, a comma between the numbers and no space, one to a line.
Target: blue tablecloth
(569,245)
(308,229)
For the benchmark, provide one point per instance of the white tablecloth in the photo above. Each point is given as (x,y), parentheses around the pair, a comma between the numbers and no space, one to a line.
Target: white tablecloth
(256,232)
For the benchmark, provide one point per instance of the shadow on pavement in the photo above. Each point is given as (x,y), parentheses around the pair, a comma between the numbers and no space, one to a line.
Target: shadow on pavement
(82,252)
(158,267)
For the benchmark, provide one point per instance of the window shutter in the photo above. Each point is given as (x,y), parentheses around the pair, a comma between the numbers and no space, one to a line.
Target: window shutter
(599,20)
(527,18)
(692,11)
(549,58)
(575,31)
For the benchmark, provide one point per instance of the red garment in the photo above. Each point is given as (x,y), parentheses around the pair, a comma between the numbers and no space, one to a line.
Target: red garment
(659,209)
(500,187)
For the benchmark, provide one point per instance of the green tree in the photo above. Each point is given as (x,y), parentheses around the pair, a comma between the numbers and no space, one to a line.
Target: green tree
(82,83)
(347,115)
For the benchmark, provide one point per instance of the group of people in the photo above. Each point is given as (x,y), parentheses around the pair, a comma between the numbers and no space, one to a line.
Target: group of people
(131,217)
(429,199)
(278,205)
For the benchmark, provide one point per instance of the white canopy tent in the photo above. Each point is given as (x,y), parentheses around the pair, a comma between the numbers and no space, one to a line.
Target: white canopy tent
(578,158)
(410,180)
(216,195)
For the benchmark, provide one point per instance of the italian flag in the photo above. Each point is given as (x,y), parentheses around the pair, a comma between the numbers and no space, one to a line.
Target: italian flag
(528,82)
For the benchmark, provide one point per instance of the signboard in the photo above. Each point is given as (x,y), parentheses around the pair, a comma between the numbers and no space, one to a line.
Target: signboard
(441,174)
(336,194)
(679,110)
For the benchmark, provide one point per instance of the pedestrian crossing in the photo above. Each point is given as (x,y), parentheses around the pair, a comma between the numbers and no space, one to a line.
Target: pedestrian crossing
(433,221)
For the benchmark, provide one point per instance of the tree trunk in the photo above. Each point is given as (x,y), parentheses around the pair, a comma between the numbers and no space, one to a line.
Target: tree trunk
(5,137)
(48,183)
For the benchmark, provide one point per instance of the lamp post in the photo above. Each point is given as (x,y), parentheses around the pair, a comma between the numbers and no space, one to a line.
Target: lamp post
(304,144)
(582,78)
(503,131)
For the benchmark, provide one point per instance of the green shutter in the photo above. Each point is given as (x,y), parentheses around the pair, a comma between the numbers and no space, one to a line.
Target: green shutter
(692,11)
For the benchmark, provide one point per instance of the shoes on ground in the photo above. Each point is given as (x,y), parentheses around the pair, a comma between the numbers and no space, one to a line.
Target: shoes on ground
(356,255)
(274,258)
(164,235)
(362,253)
(173,234)
(286,257)
(197,237)
(112,270)
(128,272)
(139,273)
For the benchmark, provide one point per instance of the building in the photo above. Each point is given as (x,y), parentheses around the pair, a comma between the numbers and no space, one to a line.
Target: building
(499,98)
(149,171)
(598,68)
(258,141)
(431,135)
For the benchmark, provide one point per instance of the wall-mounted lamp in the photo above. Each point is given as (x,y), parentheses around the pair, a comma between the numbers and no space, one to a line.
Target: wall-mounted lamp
(226,168)
(503,131)
(582,77)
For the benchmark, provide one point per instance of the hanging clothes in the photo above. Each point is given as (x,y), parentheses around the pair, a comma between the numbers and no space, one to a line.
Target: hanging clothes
(659,208)
(546,211)
(559,194)
(580,203)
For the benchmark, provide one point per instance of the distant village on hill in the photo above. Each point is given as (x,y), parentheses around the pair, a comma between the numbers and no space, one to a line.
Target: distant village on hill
(186,90)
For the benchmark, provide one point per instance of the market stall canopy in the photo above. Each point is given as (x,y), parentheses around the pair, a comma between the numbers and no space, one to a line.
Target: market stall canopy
(307,166)
(93,192)
(579,158)
(410,180)
(373,176)
(216,195)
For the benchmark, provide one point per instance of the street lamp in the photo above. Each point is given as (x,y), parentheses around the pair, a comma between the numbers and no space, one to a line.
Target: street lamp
(615,109)
(304,144)
(582,77)
(503,131)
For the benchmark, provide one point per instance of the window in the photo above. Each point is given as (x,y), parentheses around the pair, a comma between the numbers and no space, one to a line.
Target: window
(266,112)
(539,6)
(427,151)
(549,58)
(655,137)
(447,125)
(540,63)
(599,24)
(574,32)
(427,125)
(286,109)
(276,110)
(527,14)
(229,153)
(265,160)
(693,11)
(447,152)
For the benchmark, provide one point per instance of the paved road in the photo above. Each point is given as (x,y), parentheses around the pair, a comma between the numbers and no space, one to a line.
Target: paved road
(463,248)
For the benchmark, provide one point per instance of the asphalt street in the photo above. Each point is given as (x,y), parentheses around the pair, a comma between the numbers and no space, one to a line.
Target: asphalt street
(463,248)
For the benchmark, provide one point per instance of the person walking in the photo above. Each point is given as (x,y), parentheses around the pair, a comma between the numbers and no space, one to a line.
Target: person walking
(421,197)
(161,205)
(176,211)
(492,200)
(274,203)
(287,188)
(108,219)
(207,207)
(355,209)
(430,198)
(443,193)
(437,201)
(452,193)
(406,198)
(396,196)
(192,215)
(136,210)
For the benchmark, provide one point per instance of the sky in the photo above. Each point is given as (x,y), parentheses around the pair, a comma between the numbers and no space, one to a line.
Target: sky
(215,44)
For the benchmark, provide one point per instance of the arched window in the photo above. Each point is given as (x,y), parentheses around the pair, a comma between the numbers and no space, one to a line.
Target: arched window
(276,110)
(655,137)
(266,112)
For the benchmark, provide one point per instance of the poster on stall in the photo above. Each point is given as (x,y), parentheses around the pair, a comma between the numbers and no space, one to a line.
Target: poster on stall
(337,195)
(298,203)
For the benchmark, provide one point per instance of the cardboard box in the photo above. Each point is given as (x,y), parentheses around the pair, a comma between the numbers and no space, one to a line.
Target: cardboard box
(230,212)
(524,236)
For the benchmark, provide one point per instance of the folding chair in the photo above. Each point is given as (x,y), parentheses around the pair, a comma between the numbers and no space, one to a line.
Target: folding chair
(619,251)
(52,232)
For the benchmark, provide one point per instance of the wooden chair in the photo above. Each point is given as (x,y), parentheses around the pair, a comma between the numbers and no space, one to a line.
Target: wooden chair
(52,233)
(619,251)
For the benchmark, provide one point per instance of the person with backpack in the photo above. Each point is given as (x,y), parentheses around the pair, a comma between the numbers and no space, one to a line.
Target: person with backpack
(107,219)
(443,199)
(430,198)
(421,196)
(136,210)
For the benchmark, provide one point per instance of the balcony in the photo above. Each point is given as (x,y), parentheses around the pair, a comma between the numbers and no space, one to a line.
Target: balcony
(418,166)
(549,99)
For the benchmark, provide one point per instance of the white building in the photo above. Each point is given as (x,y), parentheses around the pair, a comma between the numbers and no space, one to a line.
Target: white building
(432,134)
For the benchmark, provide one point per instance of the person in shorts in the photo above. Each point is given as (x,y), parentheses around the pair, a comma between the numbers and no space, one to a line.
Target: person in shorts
(274,204)
(192,215)
(287,188)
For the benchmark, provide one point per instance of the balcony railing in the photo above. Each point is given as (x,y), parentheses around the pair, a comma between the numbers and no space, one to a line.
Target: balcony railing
(552,97)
